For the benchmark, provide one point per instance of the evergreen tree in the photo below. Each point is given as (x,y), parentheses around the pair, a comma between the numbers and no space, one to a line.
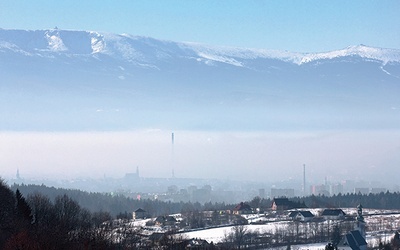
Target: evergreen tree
(24,211)
(7,213)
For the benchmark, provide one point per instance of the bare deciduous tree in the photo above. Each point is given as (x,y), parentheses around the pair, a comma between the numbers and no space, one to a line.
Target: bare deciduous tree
(237,237)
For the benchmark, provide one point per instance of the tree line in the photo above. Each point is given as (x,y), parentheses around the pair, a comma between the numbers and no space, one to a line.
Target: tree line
(119,206)
(383,200)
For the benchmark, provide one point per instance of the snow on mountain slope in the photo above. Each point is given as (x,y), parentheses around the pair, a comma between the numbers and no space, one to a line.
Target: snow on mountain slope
(379,54)
(66,79)
(145,49)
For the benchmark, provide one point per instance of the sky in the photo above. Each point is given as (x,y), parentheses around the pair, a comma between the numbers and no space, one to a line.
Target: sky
(297,26)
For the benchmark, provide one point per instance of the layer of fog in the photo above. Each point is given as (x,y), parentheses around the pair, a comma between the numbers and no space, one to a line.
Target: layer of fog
(259,156)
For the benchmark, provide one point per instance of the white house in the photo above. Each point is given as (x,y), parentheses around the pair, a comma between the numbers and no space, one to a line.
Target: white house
(301,216)
(333,214)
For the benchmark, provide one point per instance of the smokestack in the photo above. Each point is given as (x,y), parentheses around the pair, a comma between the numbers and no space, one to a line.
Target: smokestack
(172,154)
(304,180)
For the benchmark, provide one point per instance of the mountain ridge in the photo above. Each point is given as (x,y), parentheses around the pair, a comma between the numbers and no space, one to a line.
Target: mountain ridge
(130,48)
(74,80)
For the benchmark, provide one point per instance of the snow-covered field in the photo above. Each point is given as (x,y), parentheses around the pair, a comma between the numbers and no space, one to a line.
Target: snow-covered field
(375,221)
(216,235)
(380,224)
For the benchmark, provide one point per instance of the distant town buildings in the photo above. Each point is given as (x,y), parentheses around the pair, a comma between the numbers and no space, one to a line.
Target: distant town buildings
(282,192)
(329,189)
(205,190)
(132,177)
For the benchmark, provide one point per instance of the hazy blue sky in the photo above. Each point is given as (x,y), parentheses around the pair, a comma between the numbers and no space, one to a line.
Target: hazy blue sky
(302,26)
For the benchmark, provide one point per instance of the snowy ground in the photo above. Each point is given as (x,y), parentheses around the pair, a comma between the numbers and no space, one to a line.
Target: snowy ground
(316,246)
(375,221)
(216,235)
(381,225)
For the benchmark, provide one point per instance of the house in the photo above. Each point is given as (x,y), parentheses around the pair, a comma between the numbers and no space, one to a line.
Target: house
(139,214)
(242,208)
(165,220)
(333,214)
(195,244)
(155,239)
(281,204)
(303,216)
(352,241)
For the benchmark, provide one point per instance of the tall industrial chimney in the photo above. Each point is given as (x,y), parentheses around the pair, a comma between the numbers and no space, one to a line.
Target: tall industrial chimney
(304,180)
(172,154)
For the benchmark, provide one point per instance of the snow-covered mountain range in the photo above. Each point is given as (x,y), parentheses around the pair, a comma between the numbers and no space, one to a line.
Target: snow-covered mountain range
(47,43)
(62,79)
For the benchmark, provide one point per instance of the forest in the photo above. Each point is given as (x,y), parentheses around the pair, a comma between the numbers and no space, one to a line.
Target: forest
(119,205)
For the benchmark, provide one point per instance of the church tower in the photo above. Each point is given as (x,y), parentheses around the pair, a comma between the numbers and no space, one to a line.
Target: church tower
(360,225)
